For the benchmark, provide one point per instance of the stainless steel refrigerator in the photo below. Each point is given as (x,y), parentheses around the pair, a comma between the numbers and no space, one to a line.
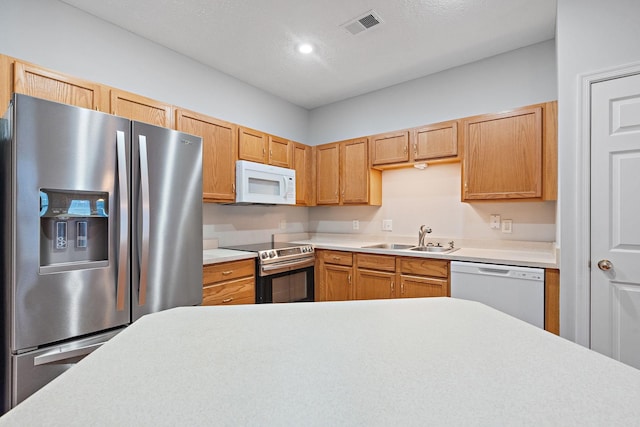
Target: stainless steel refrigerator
(101,223)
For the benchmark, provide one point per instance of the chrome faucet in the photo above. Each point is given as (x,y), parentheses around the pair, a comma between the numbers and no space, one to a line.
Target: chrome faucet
(424,230)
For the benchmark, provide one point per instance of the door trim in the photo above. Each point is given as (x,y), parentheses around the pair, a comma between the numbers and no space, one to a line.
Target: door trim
(582,269)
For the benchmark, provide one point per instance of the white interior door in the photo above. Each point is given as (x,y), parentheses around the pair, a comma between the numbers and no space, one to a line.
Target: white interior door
(615,218)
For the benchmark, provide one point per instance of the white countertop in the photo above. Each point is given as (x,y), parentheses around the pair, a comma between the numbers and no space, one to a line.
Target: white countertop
(526,254)
(214,256)
(421,361)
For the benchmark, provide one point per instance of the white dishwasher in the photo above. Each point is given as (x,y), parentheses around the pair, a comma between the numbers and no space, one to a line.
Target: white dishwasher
(518,291)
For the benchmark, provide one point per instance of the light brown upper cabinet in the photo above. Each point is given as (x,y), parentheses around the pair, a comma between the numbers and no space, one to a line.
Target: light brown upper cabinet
(437,141)
(434,143)
(260,147)
(389,148)
(511,155)
(344,176)
(279,152)
(303,164)
(35,81)
(6,81)
(139,108)
(252,145)
(219,141)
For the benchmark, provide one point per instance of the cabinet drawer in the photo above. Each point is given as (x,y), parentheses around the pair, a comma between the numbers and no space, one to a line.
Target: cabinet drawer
(337,257)
(376,262)
(424,267)
(241,291)
(225,271)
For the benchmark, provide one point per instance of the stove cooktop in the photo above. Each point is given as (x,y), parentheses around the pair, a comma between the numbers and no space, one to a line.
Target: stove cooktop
(271,252)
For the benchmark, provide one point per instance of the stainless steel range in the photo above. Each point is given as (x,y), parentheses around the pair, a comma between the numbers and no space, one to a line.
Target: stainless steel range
(284,271)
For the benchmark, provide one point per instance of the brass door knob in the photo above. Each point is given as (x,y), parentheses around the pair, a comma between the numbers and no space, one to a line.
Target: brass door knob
(605,265)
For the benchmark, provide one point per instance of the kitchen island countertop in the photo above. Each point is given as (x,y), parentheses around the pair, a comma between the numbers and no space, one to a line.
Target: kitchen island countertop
(416,361)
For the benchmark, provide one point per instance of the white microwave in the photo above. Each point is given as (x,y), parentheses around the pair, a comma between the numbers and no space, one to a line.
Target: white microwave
(259,183)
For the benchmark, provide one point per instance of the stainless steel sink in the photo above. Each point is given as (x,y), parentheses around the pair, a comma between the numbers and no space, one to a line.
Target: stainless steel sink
(389,246)
(437,249)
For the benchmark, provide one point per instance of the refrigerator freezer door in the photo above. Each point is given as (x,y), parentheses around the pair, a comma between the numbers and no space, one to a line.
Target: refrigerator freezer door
(167,219)
(34,369)
(65,249)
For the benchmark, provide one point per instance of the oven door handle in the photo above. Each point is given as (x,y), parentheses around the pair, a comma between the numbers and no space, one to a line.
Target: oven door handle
(287,266)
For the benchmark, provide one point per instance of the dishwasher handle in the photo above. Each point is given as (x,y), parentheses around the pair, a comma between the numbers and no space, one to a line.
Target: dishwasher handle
(493,271)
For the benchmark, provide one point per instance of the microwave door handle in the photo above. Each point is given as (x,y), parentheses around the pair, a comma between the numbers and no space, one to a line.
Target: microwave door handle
(144,191)
(123,242)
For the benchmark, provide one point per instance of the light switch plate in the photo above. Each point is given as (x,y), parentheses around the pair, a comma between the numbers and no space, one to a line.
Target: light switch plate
(387,225)
(507,226)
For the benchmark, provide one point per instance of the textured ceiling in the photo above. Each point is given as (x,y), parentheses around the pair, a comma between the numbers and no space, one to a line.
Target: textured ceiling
(255,40)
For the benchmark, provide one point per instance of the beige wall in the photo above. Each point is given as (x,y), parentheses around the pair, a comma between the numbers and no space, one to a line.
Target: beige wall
(411,197)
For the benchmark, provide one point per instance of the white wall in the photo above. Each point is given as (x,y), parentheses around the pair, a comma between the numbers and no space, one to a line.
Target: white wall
(513,79)
(57,36)
(592,36)
(411,197)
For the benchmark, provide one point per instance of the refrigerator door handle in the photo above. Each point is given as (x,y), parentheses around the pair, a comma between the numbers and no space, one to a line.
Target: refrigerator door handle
(124,220)
(144,190)
(70,356)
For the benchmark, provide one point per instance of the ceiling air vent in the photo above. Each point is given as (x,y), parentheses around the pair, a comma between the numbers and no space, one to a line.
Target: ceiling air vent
(362,22)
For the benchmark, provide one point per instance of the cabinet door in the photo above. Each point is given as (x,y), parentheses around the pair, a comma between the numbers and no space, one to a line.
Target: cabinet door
(503,156)
(437,141)
(372,284)
(141,109)
(6,81)
(218,154)
(42,83)
(338,282)
(418,287)
(252,145)
(279,152)
(354,171)
(303,165)
(390,148)
(328,174)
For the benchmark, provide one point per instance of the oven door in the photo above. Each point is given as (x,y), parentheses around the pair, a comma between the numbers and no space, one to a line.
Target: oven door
(288,286)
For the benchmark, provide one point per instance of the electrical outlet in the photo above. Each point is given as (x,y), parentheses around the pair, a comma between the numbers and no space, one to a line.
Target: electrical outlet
(494,221)
(387,225)
(356,224)
(507,226)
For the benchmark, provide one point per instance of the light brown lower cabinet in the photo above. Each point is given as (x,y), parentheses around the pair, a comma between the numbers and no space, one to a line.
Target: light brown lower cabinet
(375,276)
(229,283)
(342,275)
(345,276)
(334,276)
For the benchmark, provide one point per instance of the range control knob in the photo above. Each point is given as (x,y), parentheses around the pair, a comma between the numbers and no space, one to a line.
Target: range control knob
(272,254)
(304,249)
(264,255)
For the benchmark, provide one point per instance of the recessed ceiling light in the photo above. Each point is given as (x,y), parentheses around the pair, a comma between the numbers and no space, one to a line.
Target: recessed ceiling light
(305,48)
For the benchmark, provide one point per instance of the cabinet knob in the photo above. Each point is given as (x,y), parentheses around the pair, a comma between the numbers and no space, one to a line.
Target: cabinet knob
(226,273)
(227,300)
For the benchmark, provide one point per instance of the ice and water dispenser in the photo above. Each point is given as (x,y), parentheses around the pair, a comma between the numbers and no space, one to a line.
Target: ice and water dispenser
(74,229)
